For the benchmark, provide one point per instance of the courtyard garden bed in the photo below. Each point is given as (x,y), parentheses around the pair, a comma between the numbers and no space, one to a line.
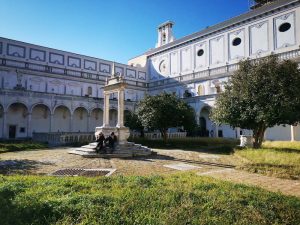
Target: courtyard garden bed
(172,199)
(278,158)
(11,146)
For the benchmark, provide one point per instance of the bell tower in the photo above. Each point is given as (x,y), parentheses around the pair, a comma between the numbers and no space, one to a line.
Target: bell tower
(165,34)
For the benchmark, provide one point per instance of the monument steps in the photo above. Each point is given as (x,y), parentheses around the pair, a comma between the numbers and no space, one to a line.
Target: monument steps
(128,149)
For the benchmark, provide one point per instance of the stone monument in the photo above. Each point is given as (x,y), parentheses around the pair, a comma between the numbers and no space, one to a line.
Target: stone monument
(116,83)
(113,85)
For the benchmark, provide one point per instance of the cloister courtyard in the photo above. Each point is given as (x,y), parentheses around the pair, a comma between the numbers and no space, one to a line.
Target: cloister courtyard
(219,165)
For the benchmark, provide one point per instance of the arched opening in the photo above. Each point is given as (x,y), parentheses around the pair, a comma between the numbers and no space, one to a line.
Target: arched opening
(61,119)
(205,124)
(40,118)
(200,90)
(80,120)
(17,121)
(1,120)
(113,117)
(96,119)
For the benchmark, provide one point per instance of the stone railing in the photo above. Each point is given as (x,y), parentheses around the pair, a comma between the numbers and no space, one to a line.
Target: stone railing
(157,135)
(63,138)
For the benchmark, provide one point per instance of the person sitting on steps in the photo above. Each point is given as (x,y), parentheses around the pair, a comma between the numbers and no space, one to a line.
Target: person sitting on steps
(100,139)
(112,139)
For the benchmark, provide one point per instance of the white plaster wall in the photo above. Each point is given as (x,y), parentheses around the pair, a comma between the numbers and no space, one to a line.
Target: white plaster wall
(61,119)
(297,132)
(217,51)
(288,38)
(96,119)
(200,61)
(259,38)
(40,119)
(174,65)
(228,132)
(80,120)
(56,86)
(74,88)
(186,59)
(237,52)
(280,133)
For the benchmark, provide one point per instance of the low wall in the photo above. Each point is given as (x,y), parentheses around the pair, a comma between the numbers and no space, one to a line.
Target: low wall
(63,138)
(157,135)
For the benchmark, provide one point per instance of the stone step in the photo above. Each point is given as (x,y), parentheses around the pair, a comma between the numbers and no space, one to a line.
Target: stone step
(129,149)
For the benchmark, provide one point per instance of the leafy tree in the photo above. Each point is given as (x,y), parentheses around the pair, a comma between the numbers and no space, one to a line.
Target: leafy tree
(132,121)
(261,94)
(262,2)
(164,111)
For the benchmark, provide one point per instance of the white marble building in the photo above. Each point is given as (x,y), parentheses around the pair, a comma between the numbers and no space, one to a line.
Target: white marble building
(49,90)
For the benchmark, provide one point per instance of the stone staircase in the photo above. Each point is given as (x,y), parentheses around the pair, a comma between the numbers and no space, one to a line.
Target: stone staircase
(129,149)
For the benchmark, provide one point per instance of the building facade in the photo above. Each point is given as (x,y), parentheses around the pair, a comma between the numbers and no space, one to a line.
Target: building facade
(49,90)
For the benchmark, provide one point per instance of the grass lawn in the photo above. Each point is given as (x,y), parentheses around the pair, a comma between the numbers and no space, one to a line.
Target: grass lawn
(278,158)
(173,199)
(10,146)
(214,145)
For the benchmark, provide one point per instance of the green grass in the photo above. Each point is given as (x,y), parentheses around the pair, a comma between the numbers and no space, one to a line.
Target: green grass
(280,159)
(211,144)
(173,199)
(10,146)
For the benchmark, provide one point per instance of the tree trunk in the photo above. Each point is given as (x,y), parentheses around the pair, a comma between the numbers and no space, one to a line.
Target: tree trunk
(142,133)
(164,133)
(258,135)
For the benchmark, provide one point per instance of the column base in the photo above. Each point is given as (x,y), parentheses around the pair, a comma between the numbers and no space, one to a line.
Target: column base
(122,133)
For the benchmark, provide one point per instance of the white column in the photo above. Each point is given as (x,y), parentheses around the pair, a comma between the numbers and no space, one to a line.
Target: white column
(292,133)
(106,110)
(88,122)
(51,122)
(4,125)
(71,123)
(29,134)
(120,108)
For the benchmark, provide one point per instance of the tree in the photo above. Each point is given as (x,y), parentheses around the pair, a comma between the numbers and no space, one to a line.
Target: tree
(261,94)
(164,111)
(132,121)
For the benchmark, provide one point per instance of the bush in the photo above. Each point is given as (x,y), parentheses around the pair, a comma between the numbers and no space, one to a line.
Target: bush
(10,146)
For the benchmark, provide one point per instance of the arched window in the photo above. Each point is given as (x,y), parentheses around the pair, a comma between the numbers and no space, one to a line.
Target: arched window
(89,90)
(218,87)
(201,90)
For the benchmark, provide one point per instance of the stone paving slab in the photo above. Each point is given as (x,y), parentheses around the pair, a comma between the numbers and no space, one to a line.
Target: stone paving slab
(182,166)
(288,187)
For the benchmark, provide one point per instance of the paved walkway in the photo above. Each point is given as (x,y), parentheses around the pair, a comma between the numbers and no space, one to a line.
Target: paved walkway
(287,187)
(213,165)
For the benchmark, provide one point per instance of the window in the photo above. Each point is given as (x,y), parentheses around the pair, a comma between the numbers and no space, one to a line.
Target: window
(236,41)
(200,90)
(89,91)
(284,27)
(22,129)
(200,52)
(218,88)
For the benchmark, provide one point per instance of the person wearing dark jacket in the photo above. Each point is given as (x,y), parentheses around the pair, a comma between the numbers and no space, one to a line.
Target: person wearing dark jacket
(112,139)
(100,139)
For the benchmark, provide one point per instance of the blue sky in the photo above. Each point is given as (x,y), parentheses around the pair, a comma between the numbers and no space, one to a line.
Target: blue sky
(115,30)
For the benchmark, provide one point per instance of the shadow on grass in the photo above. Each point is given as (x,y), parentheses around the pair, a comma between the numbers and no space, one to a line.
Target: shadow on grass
(279,170)
(284,150)
(170,158)
(25,166)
